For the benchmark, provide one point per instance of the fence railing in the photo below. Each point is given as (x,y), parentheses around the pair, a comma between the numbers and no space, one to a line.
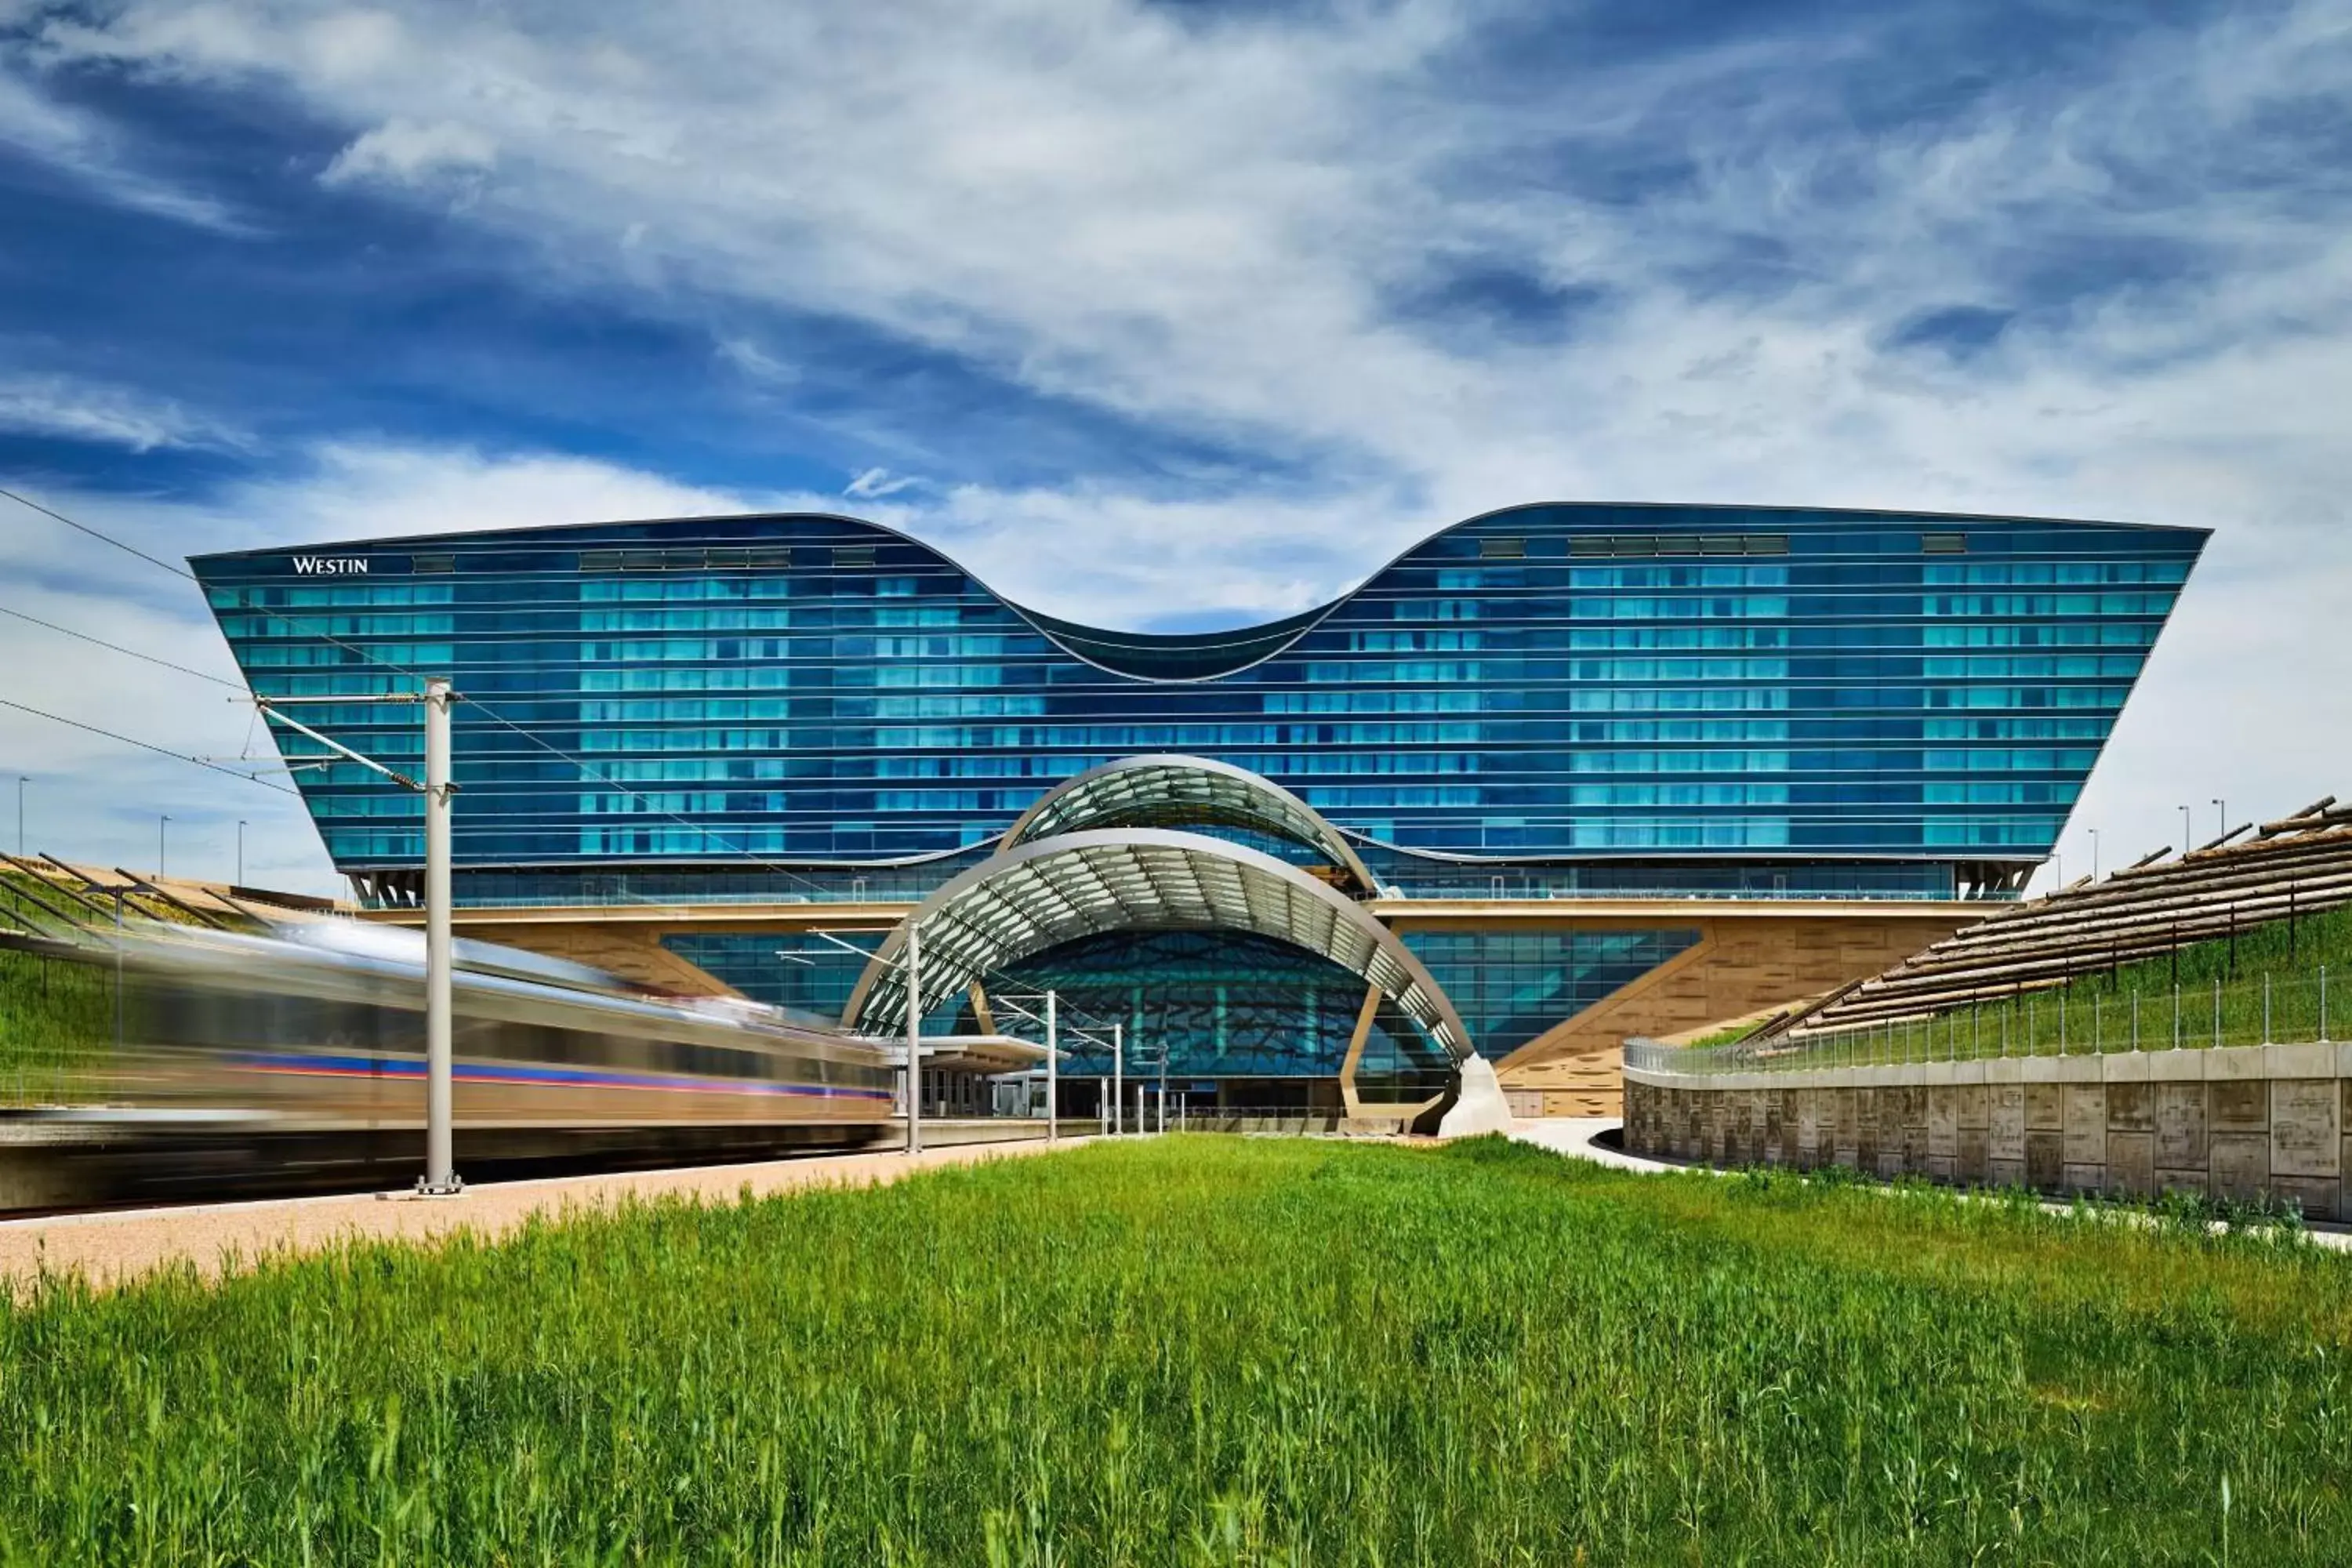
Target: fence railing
(2083,1019)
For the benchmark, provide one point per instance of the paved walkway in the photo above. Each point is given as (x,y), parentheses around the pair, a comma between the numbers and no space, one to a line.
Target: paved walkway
(112,1249)
(1574,1135)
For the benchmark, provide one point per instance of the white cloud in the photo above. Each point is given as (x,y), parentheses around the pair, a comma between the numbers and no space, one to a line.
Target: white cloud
(1204,226)
(86,411)
(38,127)
(873,484)
(406,153)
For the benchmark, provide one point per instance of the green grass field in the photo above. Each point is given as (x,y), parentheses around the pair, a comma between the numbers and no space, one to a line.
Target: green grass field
(1213,1350)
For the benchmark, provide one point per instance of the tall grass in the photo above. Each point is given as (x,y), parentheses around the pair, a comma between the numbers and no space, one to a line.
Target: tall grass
(1210,1352)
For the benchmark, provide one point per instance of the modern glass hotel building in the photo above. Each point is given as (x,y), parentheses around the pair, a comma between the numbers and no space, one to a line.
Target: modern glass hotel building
(1569,747)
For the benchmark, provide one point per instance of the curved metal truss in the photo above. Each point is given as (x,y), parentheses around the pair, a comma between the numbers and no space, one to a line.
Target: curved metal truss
(1174,791)
(1035,896)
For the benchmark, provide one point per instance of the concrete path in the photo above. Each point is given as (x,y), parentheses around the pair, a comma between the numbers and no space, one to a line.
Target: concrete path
(1574,1135)
(112,1248)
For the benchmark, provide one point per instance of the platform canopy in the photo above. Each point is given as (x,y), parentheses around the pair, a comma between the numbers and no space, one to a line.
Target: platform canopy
(1171,791)
(1036,896)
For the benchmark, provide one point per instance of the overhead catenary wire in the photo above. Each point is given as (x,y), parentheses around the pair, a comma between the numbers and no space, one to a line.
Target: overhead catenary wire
(371,657)
(146,746)
(118,647)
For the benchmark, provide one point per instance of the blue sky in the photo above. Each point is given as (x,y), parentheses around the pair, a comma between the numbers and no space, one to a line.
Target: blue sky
(1167,315)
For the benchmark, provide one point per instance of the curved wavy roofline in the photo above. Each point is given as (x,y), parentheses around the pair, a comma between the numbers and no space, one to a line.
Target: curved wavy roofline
(1270,634)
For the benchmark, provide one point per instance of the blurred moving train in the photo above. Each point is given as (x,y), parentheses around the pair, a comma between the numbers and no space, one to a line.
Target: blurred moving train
(295,1061)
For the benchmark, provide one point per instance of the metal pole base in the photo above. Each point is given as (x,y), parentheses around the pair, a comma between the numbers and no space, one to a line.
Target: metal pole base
(453,1188)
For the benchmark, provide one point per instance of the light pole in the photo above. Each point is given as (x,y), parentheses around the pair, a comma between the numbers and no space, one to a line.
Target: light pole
(21,782)
(2187,833)
(160,868)
(1118,1074)
(2222,816)
(240,852)
(2095,854)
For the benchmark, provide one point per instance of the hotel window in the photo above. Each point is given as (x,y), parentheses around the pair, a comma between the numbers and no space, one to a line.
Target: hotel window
(600,561)
(432,564)
(853,556)
(1502,549)
(1944,544)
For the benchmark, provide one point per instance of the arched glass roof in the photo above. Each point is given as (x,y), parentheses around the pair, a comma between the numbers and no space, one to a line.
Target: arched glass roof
(1035,896)
(1169,791)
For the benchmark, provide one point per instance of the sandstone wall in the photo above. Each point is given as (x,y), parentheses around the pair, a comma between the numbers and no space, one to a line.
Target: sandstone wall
(2239,1123)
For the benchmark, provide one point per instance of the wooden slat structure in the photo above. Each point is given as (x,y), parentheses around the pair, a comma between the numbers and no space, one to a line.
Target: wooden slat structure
(66,899)
(2297,866)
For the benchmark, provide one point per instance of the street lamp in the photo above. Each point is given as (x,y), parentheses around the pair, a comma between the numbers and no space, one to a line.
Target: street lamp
(21,782)
(161,823)
(2095,854)
(2187,833)
(2222,813)
(240,851)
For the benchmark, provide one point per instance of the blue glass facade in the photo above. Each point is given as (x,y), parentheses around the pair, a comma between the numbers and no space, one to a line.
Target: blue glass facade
(1555,699)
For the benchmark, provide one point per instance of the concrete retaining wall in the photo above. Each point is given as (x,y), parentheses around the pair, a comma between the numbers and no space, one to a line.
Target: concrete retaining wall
(2239,1123)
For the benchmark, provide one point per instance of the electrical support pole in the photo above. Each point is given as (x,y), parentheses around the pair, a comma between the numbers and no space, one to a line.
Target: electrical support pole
(914,1038)
(1117,1075)
(1052,1076)
(440,1179)
(440,1173)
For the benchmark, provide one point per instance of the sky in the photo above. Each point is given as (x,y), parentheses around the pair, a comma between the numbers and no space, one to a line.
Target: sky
(1163,316)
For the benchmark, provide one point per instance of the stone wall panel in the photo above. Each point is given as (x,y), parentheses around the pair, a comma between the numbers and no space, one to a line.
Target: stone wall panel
(2086,1124)
(2007,1123)
(1944,1121)
(2306,1133)
(2045,1160)
(2131,1164)
(2131,1107)
(2237,1105)
(2241,1165)
(2181,1130)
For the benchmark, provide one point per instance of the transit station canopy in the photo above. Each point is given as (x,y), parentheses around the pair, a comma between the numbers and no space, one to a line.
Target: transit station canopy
(1038,895)
(1169,790)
